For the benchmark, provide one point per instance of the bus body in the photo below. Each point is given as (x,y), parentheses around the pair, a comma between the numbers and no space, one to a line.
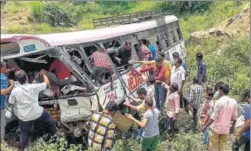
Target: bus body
(35,49)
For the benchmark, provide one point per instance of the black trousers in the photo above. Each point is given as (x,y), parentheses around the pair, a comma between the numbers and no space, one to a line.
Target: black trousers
(195,118)
(242,141)
(26,125)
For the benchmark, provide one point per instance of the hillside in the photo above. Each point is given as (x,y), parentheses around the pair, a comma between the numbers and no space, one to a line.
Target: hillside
(219,32)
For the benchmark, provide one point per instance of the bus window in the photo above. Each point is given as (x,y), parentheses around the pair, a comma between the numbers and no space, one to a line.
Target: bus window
(114,43)
(11,48)
(174,37)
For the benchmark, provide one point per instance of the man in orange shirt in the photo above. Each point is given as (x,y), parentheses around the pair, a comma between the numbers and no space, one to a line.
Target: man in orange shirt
(166,63)
(158,70)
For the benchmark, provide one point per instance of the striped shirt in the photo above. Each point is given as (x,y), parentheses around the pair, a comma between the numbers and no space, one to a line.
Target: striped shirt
(195,95)
(101,132)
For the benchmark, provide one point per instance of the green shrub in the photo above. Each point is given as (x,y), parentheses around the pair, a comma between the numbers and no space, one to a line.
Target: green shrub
(38,11)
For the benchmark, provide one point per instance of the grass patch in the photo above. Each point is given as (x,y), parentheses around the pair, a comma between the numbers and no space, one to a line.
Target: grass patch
(217,12)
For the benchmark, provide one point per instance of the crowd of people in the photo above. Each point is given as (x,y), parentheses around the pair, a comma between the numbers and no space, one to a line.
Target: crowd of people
(216,110)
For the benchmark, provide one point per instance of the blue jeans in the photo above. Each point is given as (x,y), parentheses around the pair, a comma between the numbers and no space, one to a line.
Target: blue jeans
(160,96)
(205,138)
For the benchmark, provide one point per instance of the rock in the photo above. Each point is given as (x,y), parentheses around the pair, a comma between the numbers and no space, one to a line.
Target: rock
(197,36)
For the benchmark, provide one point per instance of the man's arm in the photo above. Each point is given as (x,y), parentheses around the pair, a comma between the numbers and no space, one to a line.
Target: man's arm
(213,117)
(141,123)
(234,118)
(46,79)
(146,62)
(183,78)
(8,90)
(146,69)
(109,138)
(128,104)
(245,126)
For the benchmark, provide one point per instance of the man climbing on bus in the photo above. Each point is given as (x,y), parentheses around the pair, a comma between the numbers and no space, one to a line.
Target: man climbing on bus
(158,69)
(101,65)
(123,55)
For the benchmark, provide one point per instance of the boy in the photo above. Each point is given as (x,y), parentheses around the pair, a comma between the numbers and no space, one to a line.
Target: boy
(205,113)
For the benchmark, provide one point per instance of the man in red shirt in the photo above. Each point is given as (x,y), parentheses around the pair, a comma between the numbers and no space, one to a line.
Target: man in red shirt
(102,69)
(62,72)
(158,71)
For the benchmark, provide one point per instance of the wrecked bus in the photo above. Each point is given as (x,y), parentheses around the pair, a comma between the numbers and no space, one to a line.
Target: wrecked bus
(71,106)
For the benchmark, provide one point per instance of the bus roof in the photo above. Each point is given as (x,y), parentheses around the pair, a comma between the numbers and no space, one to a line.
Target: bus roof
(78,37)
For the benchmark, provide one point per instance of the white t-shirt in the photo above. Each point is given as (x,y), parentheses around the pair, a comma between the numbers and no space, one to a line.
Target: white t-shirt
(25,100)
(178,75)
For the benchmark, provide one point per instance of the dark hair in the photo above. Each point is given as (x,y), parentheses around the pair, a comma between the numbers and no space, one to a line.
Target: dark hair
(225,88)
(149,101)
(158,60)
(175,86)
(176,55)
(2,64)
(21,76)
(179,60)
(199,55)
(196,80)
(210,92)
(144,41)
(162,54)
(142,91)
(217,86)
(247,94)
(111,106)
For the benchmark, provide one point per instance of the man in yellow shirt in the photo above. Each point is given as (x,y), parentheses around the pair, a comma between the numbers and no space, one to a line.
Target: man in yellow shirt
(166,63)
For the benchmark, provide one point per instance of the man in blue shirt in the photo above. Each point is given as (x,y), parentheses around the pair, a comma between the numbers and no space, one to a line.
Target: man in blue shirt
(5,89)
(243,137)
(201,70)
(152,49)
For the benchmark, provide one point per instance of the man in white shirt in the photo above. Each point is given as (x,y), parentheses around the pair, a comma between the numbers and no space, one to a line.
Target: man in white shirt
(26,106)
(178,76)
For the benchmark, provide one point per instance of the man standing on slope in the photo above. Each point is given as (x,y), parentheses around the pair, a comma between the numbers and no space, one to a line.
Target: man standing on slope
(225,111)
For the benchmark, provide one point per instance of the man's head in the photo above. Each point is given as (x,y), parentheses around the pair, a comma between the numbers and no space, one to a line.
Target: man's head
(199,56)
(196,80)
(174,87)
(159,62)
(149,102)
(176,55)
(3,68)
(210,94)
(142,92)
(217,86)
(143,41)
(21,76)
(246,97)
(224,89)
(127,45)
(111,107)
(161,55)
(178,62)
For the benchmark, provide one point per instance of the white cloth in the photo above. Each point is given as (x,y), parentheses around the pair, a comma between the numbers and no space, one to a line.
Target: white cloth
(25,100)
(3,123)
(178,75)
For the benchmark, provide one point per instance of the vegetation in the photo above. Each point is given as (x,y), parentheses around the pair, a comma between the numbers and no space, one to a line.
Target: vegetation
(227,59)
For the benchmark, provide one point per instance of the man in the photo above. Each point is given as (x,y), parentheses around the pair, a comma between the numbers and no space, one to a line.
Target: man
(102,128)
(225,111)
(26,107)
(195,99)
(243,136)
(150,125)
(101,64)
(152,49)
(176,55)
(178,76)
(62,72)
(201,68)
(123,55)
(172,106)
(5,89)
(159,71)
(166,63)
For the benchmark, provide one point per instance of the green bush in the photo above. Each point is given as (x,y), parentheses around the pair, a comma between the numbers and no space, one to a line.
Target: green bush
(38,11)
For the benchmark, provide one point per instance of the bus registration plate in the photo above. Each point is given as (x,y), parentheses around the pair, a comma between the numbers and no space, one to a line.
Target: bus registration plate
(29,48)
